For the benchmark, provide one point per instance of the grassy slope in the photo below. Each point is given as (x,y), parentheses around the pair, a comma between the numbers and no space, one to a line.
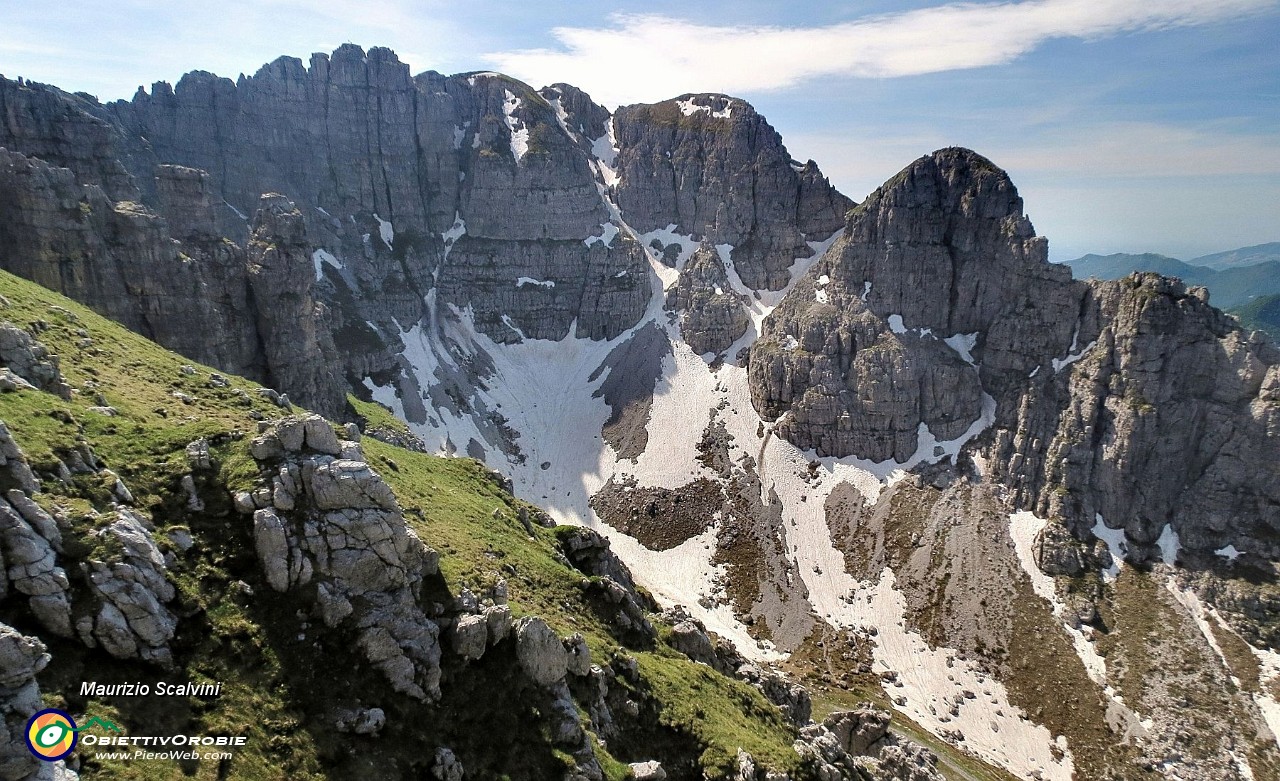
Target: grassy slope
(281,683)
(1262,313)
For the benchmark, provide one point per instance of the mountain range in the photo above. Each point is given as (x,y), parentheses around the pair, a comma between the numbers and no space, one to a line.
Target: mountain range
(1233,278)
(798,451)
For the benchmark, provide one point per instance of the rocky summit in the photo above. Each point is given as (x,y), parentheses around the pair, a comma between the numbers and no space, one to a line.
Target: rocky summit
(463,429)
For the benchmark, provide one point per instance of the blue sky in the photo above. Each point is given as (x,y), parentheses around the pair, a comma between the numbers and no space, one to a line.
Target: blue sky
(1128,125)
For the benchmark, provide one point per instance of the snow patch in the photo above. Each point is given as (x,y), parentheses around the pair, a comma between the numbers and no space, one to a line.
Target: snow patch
(866,291)
(1072,354)
(896,325)
(1169,545)
(605,151)
(562,117)
(665,238)
(932,682)
(519,133)
(963,344)
(690,107)
(321,257)
(607,233)
(522,281)
(455,232)
(459,133)
(1116,544)
(1229,553)
(238,213)
(1268,661)
(386,231)
(821,296)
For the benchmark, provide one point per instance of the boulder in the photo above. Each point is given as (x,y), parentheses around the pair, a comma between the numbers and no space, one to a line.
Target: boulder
(541,654)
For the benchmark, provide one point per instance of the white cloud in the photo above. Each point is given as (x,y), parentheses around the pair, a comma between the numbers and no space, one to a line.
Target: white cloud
(648,58)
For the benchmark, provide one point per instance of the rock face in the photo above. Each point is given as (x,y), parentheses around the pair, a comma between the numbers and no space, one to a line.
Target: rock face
(298,348)
(880,337)
(329,526)
(1169,395)
(712,316)
(936,316)
(713,167)
(418,198)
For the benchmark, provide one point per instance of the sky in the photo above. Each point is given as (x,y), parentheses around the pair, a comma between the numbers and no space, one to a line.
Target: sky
(1127,125)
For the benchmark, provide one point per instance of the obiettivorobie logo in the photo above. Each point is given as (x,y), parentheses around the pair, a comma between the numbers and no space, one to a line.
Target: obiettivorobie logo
(52,734)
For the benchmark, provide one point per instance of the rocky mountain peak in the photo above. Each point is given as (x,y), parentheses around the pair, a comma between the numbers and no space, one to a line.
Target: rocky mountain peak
(698,162)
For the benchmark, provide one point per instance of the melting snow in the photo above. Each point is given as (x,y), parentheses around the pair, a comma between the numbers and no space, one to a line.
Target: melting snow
(963,344)
(1023,528)
(455,232)
(1268,661)
(385,230)
(866,290)
(666,237)
(1169,545)
(1072,354)
(1229,553)
(690,107)
(562,117)
(1116,544)
(896,325)
(522,281)
(605,150)
(519,133)
(607,233)
(459,133)
(321,257)
(821,296)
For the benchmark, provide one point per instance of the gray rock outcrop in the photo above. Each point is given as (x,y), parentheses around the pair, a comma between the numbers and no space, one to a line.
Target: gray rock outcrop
(30,360)
(712,316)
(858,744)
(541,654)
(21,658)
(331,527)
(131,587)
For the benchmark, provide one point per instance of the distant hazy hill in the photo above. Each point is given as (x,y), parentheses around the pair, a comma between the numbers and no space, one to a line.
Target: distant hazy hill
(1262,313)
(1245,256)
(1232,285)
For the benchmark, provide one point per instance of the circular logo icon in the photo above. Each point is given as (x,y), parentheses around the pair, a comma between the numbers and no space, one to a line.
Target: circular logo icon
(51,734)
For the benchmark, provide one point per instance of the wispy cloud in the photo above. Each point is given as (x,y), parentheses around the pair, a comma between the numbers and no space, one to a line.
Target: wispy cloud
(646,57)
